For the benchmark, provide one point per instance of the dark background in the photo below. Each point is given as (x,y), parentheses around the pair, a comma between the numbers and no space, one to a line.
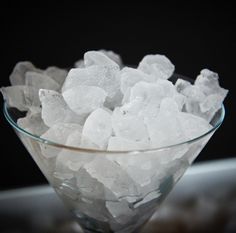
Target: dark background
(193,37)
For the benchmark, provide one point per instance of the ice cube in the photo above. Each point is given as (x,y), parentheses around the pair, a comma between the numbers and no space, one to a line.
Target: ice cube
(111,175)
(152,92)
(33,123)
(193,126)
(130,76)
(158,65)
(165,130)
(98,58)
(181,84)
(105,77)
(208,82)
(57,74)
(147,198)
(21,97)
(84,99)
(113,56)
(55,110)
(128,126)
(97,128)
(69,162)
(120,211)
(58,133)
(118,143)
(40,81)
(79,63)
(17,76)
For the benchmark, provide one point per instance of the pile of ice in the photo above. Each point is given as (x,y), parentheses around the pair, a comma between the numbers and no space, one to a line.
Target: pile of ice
(115,107)
(103,105)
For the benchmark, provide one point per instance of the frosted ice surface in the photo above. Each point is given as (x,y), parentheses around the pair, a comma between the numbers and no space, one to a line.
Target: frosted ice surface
(208,82)
(106,78)
(112,176)
(120,211)
(21,97)
(158,65)
(113,56)
(147,198)
(57,74)
(181,84)
(59,133)
(17,76)
(40,81)
(152,92)
(118,143)
(33,123)
(165,130)
(55,110)
(97,128)
(128,126)
(192,125)
(130,76)
(84,99)
(98,58)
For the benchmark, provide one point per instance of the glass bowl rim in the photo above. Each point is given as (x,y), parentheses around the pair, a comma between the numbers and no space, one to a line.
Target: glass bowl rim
(90,150)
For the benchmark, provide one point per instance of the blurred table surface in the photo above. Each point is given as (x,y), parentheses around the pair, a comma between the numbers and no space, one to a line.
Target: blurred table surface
(204,200)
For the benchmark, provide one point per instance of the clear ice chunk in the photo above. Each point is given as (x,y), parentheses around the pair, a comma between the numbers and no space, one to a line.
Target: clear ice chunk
(21,97)
(55,110)
(57,74)
(158,65)
(33,123)
(40,81)
(17,77)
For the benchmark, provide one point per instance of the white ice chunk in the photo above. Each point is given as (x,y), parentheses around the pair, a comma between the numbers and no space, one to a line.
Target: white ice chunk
(21,97)
(55,110)
(158,65)
(105,77)
(128,126)
(40,81)
(208,82)
(181,84)
(79,63)
(193,126)
(118,143)
(17,76)
(98,58)
(97,127)
(152,93)
(130,76)
(57,74)
(165,130)
(84,99)
(113,56)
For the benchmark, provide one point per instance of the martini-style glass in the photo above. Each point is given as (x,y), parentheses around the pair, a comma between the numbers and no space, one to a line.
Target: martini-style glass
(111,191)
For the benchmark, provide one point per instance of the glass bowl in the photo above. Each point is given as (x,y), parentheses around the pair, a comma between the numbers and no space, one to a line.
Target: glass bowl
(111,191)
